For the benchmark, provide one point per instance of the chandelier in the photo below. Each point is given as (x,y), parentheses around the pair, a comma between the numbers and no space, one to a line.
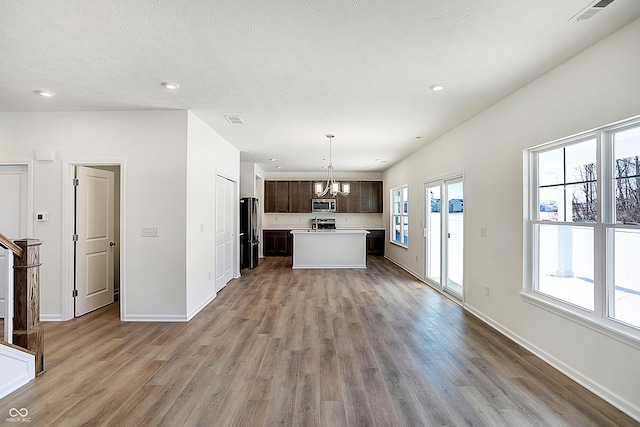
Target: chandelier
(332,186)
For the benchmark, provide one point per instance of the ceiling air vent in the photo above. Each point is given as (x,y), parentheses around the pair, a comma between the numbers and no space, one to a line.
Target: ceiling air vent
(234,120)
(589,11)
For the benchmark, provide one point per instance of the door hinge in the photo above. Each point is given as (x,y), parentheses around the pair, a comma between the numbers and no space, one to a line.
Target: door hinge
(76,182)
(74,293)
(75,237)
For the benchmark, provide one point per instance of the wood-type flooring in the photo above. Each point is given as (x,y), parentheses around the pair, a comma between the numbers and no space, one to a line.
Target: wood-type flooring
(281,347)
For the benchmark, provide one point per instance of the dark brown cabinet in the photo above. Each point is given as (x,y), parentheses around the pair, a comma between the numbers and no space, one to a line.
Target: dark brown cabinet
(351,203)
(300,195)
(276,196)
(277,242)
(370,196)
(375,242)
(296,196)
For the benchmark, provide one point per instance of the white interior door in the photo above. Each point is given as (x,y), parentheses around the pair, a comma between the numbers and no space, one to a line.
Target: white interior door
(13,224)
(225,214)
(95,239)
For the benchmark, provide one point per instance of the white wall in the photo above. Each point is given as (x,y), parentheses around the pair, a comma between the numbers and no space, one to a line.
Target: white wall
(597,87)
(152,147)
(207,155)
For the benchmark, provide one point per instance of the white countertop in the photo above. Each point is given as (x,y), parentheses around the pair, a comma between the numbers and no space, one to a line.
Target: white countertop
(306,228)
(337,231)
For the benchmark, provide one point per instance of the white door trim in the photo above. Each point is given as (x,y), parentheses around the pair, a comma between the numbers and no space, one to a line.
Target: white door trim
(28,230)
(8,296)
(29,219)
(67,231)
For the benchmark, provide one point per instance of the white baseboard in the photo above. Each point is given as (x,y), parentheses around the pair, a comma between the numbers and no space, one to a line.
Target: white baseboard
(51,318)
(155,318)
(411,272)
(624,405)
(199,308)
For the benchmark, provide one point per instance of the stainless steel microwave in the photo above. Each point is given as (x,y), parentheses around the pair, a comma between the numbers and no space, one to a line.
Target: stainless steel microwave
(323,205)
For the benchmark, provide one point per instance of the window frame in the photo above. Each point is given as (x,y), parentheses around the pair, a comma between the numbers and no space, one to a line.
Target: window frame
(403,215)
(604,288)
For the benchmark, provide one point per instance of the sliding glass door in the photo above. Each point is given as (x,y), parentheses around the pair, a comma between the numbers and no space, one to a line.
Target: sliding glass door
(444,234)
(434,224)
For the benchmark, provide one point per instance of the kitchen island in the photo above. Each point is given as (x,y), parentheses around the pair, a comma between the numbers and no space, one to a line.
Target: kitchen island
(329,248)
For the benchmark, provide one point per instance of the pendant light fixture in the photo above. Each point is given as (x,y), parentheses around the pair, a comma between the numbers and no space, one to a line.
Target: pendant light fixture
(332,186)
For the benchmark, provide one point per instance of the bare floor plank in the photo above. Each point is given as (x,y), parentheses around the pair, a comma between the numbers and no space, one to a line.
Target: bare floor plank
(277,346)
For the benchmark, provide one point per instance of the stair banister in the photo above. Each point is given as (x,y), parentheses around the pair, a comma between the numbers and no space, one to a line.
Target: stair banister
(6,243)
(27,331)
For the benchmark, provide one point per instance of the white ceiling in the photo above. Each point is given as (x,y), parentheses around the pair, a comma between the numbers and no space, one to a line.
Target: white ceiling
(294,70)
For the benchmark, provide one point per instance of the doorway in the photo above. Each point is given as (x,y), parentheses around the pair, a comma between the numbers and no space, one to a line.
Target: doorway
(226,213)
(444,235)
(94,219)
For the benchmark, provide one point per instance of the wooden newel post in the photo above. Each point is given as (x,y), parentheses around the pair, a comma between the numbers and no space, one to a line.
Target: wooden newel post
(27,331)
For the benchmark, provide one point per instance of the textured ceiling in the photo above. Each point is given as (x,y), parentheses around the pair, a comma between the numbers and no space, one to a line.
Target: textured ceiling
(294,70)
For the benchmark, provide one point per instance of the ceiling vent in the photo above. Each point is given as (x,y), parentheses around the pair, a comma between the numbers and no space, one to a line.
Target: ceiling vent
(589,11)
(234,120)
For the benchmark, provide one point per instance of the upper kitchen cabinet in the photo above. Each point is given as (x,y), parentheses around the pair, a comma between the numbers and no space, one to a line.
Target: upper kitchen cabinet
(300,195)
(295,197)
(370,196)
(351,203)
(276,196)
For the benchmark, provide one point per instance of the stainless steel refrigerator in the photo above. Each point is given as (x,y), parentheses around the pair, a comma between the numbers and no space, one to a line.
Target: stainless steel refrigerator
(249,239)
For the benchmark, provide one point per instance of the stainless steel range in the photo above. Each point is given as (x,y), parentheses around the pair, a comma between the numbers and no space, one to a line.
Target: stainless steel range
(320,224)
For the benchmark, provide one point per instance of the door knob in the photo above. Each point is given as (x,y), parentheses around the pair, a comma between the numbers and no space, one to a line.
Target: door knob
(112,243)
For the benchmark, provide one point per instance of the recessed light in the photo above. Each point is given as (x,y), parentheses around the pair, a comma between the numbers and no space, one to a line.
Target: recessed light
(273,160)
(45,93)
(278,167)
(170,85)
(436,87)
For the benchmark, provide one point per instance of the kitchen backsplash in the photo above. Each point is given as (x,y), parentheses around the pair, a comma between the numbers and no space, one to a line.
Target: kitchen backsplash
(303,220)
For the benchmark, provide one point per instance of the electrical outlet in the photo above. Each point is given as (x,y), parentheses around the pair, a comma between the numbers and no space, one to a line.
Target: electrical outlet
(150,231)
(487,290)
(483,231)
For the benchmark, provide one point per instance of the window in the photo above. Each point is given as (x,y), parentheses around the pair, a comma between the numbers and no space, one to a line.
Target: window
(400,215)
(584,226)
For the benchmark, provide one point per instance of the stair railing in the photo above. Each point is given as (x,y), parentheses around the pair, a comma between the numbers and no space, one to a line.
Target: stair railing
(27,331)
